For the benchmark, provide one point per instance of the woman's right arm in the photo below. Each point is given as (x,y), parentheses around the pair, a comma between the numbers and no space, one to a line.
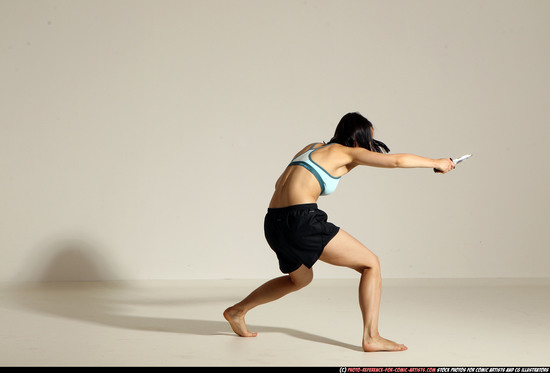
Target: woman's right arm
(364,157)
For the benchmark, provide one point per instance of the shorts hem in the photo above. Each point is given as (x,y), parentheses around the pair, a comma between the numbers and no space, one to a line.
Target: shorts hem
(288,272)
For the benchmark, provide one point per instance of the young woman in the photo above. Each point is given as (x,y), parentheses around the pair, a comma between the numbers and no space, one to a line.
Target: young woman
(299,233)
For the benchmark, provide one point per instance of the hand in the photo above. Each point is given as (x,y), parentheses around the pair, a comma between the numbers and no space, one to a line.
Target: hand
(444,165)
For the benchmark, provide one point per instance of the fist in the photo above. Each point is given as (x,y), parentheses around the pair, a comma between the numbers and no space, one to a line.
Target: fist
(444,165)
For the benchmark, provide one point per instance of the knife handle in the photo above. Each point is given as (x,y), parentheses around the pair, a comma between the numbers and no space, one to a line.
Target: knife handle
(436,170)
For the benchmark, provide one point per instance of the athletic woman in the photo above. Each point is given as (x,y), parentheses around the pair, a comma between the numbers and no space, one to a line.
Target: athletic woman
(299,233)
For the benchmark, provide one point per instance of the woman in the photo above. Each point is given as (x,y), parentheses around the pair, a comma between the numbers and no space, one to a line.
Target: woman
(299,233)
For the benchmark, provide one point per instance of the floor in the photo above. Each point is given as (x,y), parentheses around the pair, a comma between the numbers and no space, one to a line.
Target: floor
(450,323)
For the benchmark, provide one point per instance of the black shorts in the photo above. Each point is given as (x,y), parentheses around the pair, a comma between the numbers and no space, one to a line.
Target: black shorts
(298,234)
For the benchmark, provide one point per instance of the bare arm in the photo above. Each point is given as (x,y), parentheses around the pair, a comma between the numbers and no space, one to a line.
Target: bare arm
(361,156)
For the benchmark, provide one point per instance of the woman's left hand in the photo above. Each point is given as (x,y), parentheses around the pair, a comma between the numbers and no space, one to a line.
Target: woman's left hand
(445,165)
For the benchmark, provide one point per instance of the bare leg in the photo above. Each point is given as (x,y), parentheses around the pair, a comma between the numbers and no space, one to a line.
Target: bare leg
(370,290)
(268,292)
(344,250)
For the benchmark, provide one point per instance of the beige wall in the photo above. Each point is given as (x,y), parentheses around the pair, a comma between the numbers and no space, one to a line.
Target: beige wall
(142,139)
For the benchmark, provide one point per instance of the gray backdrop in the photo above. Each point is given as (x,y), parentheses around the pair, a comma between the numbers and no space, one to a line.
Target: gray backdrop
(142,139)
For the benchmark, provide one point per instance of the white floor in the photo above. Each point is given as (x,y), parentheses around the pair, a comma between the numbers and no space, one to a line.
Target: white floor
(179,323)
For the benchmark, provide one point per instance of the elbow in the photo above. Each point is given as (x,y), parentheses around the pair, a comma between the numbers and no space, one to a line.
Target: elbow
(398,161)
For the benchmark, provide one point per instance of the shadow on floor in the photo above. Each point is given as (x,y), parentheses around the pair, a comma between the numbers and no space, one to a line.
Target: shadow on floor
(107,302)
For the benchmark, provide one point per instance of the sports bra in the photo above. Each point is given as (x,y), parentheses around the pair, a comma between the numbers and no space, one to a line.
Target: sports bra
(327,181)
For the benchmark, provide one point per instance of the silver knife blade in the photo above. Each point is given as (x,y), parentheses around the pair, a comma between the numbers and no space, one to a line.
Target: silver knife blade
(463,158)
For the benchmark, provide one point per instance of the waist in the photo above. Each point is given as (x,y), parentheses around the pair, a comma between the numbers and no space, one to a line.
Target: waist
(292,208)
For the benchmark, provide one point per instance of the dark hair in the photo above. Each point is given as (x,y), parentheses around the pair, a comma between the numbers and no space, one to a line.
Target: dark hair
(356,130)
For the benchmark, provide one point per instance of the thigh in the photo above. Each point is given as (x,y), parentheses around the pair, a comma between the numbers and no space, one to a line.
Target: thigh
(302,276)
(344,250)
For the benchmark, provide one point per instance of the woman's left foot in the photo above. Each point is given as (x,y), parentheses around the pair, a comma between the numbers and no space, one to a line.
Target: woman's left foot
(235,318)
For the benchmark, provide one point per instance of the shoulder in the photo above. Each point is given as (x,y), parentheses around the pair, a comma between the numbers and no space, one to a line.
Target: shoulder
(343,154)
(358,156)
(313,145)
(338,149)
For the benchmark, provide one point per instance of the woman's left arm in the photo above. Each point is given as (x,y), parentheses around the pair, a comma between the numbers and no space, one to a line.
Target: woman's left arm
(361,156)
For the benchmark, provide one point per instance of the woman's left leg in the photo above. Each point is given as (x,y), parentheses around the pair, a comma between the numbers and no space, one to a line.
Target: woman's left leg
(345,250)
(268,292)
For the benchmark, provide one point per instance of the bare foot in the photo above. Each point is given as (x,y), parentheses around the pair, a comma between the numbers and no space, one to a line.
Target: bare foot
(381,344)
(235,318)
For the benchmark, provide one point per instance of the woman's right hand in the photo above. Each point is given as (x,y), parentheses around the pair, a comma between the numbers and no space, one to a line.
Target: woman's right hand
(444,165)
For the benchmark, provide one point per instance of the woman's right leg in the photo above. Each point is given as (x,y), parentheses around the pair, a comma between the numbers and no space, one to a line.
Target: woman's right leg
(345,250)
(268,292)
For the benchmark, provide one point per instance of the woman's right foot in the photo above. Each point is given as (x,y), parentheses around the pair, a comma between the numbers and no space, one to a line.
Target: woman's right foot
(235,318)
(381,344)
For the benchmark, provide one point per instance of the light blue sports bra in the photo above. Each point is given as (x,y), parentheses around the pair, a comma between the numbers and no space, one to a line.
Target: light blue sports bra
(327,181)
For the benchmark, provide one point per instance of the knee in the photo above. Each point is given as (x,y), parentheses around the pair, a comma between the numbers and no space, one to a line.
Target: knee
(373,263)
(376,263)
(303,279)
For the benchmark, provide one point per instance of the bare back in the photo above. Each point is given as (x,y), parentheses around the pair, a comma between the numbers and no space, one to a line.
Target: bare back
(297,185)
